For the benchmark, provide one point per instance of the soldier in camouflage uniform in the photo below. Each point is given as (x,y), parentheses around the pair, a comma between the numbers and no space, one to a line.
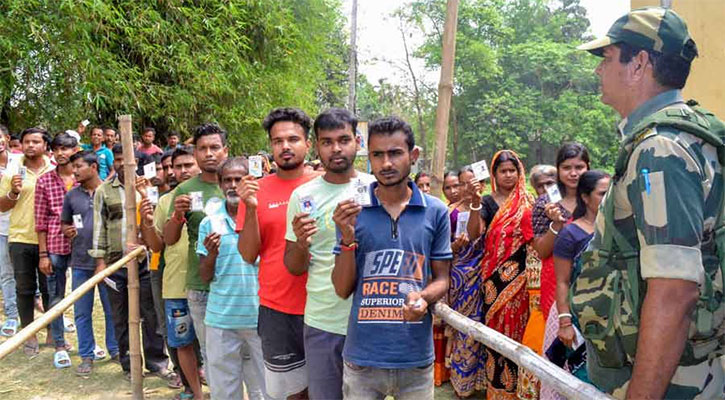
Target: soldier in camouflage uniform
(649,295)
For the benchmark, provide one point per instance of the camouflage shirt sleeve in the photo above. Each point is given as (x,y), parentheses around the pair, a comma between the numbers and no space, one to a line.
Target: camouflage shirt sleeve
(665,190)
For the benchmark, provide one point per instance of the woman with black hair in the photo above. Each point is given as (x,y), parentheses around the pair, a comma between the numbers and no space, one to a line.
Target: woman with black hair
(571,242)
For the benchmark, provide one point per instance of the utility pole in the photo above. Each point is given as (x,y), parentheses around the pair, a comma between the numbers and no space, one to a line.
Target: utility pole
(352,72)
(445,93)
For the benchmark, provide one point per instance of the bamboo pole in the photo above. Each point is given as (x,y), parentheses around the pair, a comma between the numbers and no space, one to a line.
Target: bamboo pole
(134,319)
(56,311)
(352,68)
(445,92)
(565,383)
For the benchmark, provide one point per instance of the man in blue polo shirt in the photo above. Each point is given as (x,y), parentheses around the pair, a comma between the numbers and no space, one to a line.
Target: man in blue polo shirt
(103,153)
(393,257)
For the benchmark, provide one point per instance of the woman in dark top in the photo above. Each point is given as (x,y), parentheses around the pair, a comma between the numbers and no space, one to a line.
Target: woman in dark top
(505,216)
(571,242)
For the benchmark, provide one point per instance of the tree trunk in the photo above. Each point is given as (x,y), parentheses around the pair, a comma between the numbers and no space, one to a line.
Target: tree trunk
(416,94)
(134,319)
(445,92)
(455,134)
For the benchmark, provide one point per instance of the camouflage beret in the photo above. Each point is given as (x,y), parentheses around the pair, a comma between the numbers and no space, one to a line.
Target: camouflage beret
(651,28)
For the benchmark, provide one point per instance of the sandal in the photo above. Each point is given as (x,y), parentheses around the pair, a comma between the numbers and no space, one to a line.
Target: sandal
(85,368)
(61,359)
(31,348)
(9,328)
(184,396)
(68,325)
(99,353)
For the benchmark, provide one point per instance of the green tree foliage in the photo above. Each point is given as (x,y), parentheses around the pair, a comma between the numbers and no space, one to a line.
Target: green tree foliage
(519,82)
(172,64)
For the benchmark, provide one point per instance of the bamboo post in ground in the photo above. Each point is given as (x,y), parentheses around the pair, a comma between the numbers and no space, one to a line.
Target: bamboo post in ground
(565,383)
(134,318)
(352,68)
(56,311)
(445,92)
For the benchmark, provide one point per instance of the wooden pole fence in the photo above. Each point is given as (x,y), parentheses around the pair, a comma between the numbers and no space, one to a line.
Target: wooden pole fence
(56,311)
(565,383)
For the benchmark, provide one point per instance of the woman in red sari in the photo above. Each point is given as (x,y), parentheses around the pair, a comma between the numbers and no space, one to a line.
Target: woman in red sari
(506,218)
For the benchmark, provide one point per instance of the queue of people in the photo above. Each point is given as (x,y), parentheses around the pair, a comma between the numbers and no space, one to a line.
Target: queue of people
(288,279)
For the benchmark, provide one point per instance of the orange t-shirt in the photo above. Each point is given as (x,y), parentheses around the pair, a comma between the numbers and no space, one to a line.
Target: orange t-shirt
(278,289)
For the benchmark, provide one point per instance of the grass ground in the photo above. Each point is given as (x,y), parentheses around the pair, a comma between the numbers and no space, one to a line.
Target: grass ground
(36,379)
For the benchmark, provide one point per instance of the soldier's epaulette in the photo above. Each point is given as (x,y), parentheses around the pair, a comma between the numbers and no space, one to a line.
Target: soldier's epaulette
(648,132)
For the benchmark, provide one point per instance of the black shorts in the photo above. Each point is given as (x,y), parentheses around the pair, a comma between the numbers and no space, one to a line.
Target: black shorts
(283,350)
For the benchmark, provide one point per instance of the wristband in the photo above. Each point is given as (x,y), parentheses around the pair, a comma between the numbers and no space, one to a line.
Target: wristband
(17,196)
(181,220)
(470,205)
(551,228)
(565,315)
(348,247)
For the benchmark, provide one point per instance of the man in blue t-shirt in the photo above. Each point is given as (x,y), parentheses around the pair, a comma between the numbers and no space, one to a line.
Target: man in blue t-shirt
(393,256)
(103,153)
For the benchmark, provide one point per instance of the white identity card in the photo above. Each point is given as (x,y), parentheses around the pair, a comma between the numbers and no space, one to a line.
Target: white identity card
(462,224)
(149,170)
(480,170)
(361,194)
(307,204)
(255,166)
(153,193)
(22,171)
(78,221)
(553,192)
(85,122)
(197,201)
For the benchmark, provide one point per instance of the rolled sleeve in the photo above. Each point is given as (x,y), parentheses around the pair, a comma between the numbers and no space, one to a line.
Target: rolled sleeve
(672,262)
(668,204)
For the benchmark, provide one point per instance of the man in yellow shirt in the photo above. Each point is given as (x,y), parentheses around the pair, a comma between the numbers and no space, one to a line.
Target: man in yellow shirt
(17,194)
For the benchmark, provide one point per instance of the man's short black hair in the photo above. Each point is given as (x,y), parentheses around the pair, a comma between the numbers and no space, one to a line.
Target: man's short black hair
(148,129)
(335,118)
(173,133)
(106,127)
(166,155)
(289,114)
(388,126)
(210,128)
(63,140)
(181,151)
(94,127)
(30,131)
(14,136)
(670,71)
(117,149)
(88,157)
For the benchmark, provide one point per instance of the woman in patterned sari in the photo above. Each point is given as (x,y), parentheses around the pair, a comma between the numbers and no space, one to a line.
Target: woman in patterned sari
(506,217)
(465,355)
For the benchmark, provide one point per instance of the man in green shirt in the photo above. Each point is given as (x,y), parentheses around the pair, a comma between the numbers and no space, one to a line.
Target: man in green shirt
(310,240)
(192,201)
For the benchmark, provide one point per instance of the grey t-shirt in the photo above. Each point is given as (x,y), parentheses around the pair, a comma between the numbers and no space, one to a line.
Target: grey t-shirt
(78,201)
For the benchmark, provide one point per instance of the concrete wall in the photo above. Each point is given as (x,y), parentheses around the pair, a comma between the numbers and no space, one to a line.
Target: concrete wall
(706,22)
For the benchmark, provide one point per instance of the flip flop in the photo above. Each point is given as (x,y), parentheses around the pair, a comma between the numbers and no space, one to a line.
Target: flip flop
(68,325)
(9,328)
(85,368)
(99,353)
(61,359)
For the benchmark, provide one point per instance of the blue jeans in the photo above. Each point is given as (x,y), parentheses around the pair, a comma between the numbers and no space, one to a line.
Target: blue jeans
(365,383)
(56,292)
(7,280)
(83,310)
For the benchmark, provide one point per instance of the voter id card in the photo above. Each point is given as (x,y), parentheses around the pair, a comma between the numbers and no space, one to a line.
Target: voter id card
(255,166)
(22,171)
(480,170)
(361,194)
(197,201)
(219,225)
(153,194)
(462,224)
(78,221)
(553,192)
(149,170)
(307,204)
